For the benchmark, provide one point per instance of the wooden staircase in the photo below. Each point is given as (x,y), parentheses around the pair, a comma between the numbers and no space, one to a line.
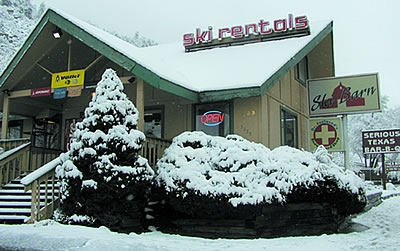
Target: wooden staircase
(15,203)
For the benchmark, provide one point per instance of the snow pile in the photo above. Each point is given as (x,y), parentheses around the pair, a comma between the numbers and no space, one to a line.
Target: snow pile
(104,167)
(247,173)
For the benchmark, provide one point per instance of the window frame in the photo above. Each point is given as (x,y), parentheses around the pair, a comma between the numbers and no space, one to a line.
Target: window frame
(305,72)
(161,108)
(284,116)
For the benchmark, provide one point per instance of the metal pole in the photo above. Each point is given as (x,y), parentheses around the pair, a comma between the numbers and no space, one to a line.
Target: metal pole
(345,142)
(383,171)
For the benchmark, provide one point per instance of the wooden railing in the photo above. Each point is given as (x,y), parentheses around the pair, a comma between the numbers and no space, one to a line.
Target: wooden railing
(41,156)
(42,182)
(153,149)
(13,163)
(8,144)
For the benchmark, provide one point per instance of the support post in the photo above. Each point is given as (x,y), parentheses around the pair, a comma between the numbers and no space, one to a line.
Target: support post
(383,171)
(345,142)
(4,124)
(140,103)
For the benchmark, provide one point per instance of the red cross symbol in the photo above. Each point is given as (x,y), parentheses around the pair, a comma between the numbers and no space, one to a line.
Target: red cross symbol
(325,134)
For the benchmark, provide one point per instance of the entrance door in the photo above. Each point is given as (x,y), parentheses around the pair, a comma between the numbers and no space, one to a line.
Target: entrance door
(46,140)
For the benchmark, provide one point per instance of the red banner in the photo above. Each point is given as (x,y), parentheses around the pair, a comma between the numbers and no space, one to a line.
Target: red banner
(41,92)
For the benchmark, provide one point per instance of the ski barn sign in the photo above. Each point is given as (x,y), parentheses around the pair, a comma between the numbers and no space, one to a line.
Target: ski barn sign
(343,95)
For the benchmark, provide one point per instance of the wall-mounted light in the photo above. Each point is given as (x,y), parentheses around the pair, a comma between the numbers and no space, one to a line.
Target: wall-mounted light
(132,79)
(57,33)
(6,92)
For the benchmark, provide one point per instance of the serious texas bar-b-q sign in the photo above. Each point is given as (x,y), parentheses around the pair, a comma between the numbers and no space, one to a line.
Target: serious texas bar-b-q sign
(381,141)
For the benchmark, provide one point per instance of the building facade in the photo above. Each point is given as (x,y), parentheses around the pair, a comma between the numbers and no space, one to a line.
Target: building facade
(256,90)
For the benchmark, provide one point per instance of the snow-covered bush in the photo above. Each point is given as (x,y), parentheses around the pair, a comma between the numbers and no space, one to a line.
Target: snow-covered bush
(103,178)
(233,174)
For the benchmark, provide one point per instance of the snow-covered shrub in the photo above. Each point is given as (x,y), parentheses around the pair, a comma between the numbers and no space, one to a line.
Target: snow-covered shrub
(103,178)
(233,174)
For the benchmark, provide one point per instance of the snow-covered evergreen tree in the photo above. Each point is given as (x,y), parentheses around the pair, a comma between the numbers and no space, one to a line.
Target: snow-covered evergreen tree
(104,181)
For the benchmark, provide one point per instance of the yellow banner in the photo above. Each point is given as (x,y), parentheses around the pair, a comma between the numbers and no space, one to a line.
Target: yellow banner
(68,79)
(326,132)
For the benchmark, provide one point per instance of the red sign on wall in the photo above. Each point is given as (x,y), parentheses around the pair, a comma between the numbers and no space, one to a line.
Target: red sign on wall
(41,92)
(259,31)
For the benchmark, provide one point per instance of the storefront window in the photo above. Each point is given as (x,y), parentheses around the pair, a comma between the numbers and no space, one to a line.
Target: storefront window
(289,130)
(47,133)
(14,130)
(213,119)
(153,122)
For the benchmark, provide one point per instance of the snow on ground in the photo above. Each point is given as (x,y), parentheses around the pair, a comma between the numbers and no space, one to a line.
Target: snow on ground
(380,225)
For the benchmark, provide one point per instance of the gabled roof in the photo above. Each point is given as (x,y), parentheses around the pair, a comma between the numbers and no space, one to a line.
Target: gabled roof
(208,75)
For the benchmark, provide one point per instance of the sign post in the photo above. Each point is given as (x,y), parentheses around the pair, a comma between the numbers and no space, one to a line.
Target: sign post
(381,141)
(345,139)
(383,171)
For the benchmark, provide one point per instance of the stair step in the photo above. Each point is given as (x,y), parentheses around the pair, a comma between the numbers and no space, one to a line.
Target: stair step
(13,219)
(20,186)
(7,204)
(22,192)
(22,197)
(7,211)
(13,186)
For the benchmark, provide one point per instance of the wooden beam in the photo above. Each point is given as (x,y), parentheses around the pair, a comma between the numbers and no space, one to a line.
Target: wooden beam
(4,122)
(125,80)
(44,68)
(140,103)
(21,93)
(93,62)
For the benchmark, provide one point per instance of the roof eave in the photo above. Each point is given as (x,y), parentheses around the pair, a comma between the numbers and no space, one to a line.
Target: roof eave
(222,95)
(271,81)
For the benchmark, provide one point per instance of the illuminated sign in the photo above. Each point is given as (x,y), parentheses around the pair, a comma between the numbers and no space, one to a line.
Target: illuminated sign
(343,95)
(212,118)
(249,33)
(68,79)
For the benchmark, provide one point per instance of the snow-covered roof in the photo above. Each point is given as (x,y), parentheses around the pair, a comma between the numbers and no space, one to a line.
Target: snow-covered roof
(253,67)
